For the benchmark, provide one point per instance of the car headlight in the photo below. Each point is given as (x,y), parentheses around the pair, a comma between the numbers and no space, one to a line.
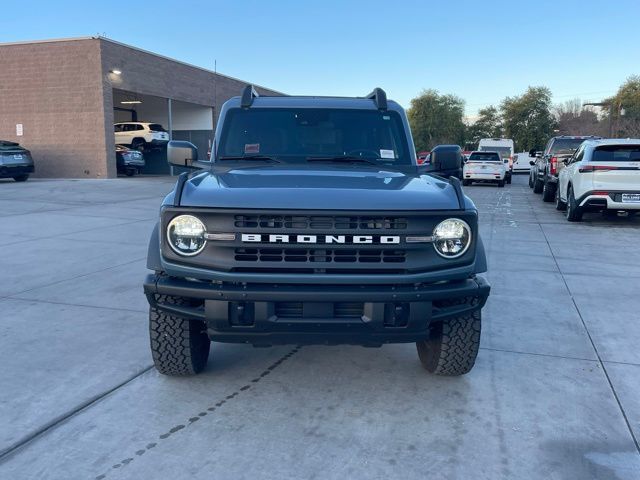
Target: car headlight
(451,238)
(185,234)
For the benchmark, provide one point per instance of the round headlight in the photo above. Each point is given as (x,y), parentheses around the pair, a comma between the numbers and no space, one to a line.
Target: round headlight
(451,238)
(185,234)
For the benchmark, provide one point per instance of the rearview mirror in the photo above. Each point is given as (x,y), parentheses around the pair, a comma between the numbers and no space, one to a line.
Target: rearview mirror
(182,154)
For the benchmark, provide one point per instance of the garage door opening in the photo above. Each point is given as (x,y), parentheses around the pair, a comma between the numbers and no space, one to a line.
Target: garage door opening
(180,120)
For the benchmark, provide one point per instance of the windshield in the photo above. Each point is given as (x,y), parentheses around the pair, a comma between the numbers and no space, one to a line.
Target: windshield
(484,157)
(299,134)
(565,145)
(156,127)
(616,153)
(505,152)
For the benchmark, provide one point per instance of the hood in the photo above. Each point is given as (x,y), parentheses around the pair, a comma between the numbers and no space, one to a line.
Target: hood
(318,187)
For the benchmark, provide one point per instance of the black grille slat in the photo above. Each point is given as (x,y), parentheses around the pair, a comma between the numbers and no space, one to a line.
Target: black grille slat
(303,222)
(316,255)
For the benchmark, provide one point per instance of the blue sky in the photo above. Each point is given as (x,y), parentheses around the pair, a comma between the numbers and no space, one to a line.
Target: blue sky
(481,51)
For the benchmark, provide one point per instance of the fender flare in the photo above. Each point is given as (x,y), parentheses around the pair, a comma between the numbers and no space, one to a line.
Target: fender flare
(481,257)
(153,251)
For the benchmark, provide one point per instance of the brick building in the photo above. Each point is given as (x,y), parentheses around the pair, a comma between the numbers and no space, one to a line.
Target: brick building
(60,99)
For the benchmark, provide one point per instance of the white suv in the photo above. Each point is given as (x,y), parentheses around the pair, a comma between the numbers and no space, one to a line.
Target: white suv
(485,167)
(601,175)
(140,135)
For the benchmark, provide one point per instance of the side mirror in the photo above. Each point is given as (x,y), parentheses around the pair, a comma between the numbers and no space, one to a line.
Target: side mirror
(182,154)
(532,163)
(566,161)
(505,161)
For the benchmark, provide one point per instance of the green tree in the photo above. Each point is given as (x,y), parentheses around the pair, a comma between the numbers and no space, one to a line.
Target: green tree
(488,125)
(625,108)
(436,119)
(527,118)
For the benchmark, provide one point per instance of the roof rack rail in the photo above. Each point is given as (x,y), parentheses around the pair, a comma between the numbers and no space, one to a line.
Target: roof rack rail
(379,97)
(248,94)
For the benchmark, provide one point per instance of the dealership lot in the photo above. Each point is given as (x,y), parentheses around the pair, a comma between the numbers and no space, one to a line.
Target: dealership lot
(554,393)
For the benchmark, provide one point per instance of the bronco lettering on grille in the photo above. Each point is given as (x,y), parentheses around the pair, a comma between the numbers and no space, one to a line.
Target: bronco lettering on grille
(321,239)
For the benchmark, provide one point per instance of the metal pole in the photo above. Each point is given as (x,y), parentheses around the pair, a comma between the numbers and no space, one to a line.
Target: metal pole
(611,120)
(170,113)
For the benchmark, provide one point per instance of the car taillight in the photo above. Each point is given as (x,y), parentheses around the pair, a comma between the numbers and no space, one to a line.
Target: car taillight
(593,168)
(554,165)
(599,192)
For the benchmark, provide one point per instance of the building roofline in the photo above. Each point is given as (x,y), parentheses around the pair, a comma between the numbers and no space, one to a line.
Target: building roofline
(115,42)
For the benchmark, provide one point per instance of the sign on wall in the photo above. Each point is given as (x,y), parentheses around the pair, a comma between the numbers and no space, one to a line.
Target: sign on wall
(19,129)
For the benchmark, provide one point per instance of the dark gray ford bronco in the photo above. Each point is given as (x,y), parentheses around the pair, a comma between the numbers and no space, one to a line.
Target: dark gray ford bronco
(313,224)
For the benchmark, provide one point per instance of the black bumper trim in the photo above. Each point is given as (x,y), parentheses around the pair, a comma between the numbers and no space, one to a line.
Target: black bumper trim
(214,302)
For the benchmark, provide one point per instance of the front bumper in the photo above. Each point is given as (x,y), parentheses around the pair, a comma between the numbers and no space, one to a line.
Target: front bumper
(9,171)
(316,314)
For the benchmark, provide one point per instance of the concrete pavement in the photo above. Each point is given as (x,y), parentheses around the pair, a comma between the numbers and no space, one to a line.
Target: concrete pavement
(554,394)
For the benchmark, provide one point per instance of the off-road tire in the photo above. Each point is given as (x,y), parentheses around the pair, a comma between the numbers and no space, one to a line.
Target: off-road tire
(21,178)
(538,185)
(179,347)
(560,205)
(548,192)
(574,212)
(452,346)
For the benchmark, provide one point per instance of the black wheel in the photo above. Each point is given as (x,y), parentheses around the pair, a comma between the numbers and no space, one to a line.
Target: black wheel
(501,183)
(179,347)
(548,192)
(538,185)
(452,346)
(138,144)
(530,181)
(574,212)
(560,205)
(130,173)
(21,178)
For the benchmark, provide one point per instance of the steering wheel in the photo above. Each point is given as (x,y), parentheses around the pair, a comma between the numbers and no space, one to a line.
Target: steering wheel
(360,151)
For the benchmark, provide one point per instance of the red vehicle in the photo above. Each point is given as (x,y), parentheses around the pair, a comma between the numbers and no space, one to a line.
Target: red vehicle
(423,157)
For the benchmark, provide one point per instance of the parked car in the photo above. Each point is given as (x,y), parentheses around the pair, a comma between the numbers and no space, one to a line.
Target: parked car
(521,162)
(15,161)
(543,177)
(504,146)
(128,161)
(315,224)
(446,161)
(423,157)
(141,135)
(485,167)
(601,175)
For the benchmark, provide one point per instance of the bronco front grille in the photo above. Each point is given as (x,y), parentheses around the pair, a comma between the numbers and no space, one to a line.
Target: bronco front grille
(329,223)
(319,255)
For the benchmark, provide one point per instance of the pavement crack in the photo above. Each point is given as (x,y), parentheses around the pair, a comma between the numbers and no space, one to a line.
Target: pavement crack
(194,418)
(11,449)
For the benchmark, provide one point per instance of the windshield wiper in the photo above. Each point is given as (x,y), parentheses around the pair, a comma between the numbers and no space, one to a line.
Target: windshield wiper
(263,158)
(343,158)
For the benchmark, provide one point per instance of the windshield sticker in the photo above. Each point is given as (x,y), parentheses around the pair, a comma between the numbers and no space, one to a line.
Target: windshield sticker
(251,148)
(387,154)
(386,117)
